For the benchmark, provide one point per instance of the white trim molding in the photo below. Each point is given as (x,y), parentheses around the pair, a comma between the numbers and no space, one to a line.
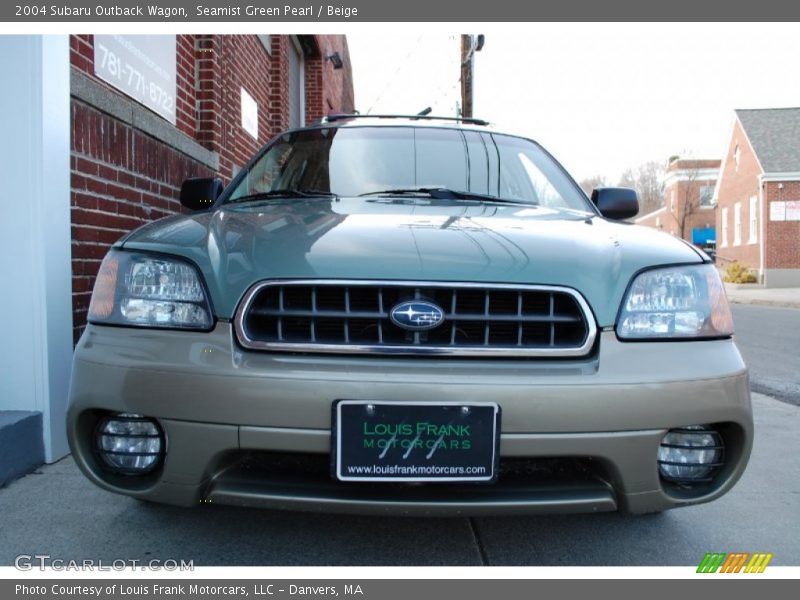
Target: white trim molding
(36,150)
(788,176)
(752,213)
(695,175)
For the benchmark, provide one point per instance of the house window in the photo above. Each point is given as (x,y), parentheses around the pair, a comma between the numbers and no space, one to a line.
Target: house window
(753,220)
(737,154)
(706,195)
(737,224)
(724,227)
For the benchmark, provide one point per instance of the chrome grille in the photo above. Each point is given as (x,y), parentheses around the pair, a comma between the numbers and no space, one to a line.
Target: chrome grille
(353,317)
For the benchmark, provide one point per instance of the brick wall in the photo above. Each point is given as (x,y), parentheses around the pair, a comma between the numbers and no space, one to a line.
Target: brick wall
(123,177)
(242,62)
(738,184)
(329,90)
(782,238)
(120,180)
(279,94)
(185,76)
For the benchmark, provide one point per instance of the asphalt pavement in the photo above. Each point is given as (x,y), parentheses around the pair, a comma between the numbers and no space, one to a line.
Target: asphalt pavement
(57,511)
(769,340)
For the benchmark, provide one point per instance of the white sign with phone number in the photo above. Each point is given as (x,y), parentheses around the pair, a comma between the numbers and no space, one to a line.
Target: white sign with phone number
(141,66)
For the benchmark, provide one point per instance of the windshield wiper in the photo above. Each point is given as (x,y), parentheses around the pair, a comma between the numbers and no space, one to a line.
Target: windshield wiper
(287,193)
(446,194)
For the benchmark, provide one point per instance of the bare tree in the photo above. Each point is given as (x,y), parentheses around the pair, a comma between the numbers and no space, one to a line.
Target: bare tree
(648,181)
(590,183)
(688,198)
(650,186)
(628,179)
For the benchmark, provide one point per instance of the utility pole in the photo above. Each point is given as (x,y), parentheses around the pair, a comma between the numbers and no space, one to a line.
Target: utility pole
(470,44)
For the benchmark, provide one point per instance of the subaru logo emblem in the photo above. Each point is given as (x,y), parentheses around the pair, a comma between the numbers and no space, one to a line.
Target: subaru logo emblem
(416,315)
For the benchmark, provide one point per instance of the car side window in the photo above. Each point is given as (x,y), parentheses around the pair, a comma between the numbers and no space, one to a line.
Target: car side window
(542,189)
(262,176)
(527,173)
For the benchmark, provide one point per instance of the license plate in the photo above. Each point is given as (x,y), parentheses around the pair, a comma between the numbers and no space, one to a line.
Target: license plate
(415,441)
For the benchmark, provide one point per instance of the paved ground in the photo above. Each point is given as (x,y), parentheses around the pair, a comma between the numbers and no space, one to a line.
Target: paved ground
(58,512)
(768,338)
(755,294)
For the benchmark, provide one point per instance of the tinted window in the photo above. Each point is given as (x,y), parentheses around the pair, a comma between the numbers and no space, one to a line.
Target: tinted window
(441,157)
(369,159)
(355,161)
(477,163)
(528,173)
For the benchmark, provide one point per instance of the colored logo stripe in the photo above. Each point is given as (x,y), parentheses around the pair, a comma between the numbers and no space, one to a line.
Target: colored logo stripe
(711,562)
(734,563)
(758,563)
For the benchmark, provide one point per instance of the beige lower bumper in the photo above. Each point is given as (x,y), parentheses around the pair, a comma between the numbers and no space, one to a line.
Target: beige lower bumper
(215,402)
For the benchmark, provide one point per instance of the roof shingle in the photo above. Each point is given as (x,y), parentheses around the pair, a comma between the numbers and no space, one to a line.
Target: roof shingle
(774,134)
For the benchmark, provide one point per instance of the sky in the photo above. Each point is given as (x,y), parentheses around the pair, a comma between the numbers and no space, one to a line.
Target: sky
(600,97)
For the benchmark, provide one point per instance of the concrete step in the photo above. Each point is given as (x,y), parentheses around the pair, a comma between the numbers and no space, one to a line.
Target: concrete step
(21,446)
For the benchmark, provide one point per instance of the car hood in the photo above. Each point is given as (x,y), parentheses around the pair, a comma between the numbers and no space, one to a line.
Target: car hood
(411,239)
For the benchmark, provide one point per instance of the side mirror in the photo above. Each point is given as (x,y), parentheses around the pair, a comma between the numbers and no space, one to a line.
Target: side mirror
(200,193)
(616,203)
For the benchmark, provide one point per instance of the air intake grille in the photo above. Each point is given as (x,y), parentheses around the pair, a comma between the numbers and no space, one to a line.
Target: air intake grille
(354,317)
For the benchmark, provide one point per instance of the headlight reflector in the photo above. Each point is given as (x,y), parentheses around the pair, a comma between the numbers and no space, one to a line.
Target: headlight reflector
(676,302)
(148,290)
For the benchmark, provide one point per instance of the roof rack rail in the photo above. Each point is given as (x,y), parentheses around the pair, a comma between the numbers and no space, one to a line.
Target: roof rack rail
(343,116)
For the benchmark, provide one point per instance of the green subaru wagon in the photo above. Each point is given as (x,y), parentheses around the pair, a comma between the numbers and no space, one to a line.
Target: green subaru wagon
(408,315)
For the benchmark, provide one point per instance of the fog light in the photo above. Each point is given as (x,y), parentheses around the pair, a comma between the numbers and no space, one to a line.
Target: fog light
(690,454)
(129,443)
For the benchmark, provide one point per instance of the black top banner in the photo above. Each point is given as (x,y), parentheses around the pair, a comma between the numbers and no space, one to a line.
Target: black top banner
(344,11)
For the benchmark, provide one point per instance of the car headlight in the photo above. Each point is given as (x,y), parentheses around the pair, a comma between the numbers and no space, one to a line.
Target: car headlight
(682,302)
(149,291)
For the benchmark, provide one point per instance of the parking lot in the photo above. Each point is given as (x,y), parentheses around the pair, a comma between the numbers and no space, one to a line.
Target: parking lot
(72,519)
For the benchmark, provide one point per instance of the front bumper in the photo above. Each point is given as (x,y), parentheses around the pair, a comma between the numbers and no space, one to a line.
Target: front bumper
(234,419)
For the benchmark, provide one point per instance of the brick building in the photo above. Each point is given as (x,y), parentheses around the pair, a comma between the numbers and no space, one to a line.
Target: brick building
(233,93)
(689,209)
(758,195)
(99,134)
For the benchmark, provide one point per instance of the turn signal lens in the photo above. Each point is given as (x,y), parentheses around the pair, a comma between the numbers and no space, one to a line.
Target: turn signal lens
(147,290)
(102,304)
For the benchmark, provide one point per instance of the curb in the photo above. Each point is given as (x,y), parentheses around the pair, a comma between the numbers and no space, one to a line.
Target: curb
(761,302)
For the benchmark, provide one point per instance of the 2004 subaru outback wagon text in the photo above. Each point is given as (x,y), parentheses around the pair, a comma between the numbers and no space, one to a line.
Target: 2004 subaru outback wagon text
(410,316)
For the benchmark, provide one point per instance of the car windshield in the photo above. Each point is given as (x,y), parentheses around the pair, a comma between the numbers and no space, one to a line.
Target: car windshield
(357,161)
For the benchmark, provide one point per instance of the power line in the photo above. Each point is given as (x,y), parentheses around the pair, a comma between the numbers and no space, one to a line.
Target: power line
(414,48)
